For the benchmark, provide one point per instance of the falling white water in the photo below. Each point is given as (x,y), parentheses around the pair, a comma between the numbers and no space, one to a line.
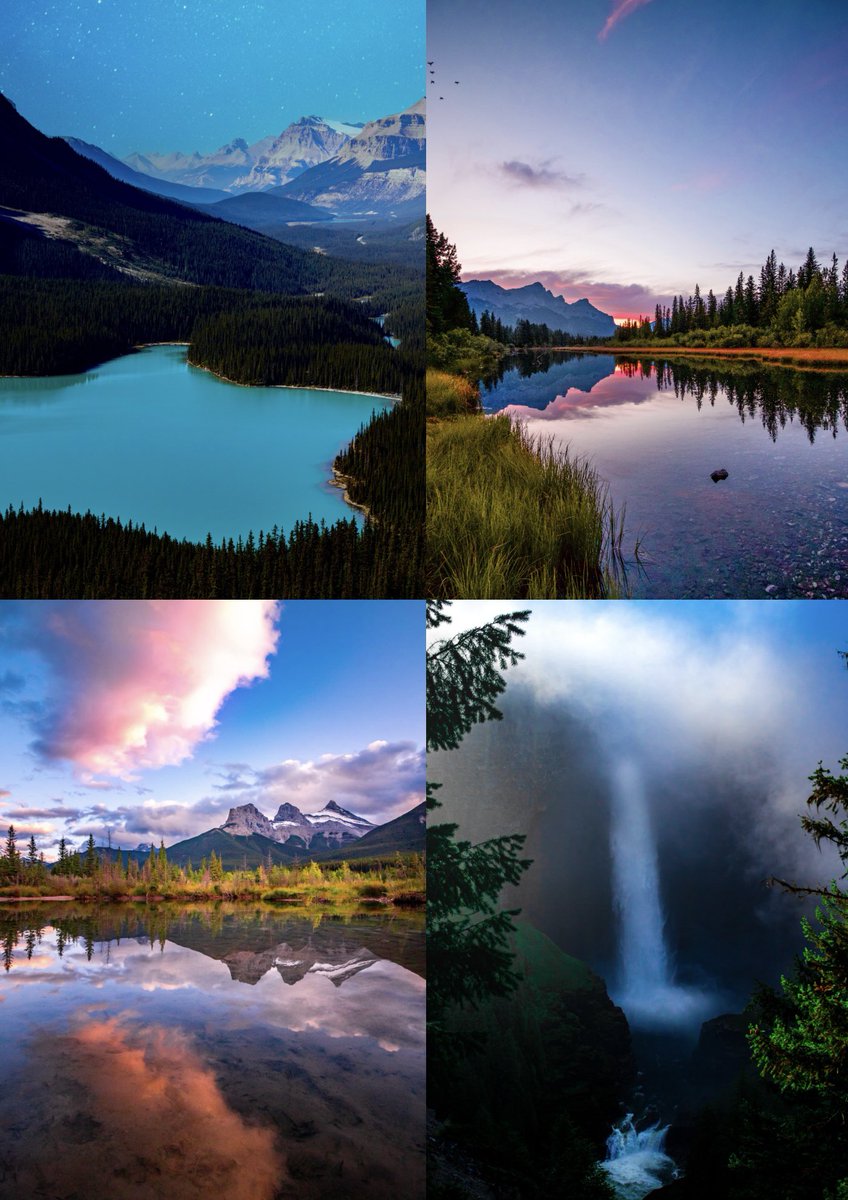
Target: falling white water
(644,986)
(636,1161)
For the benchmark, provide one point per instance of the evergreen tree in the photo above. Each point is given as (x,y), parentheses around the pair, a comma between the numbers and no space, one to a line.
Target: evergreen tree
(800,1038)
(467,935)
(91,859)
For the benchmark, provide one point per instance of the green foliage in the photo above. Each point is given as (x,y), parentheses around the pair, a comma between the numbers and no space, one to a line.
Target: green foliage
(781,309)
(467,935)
(800,1041)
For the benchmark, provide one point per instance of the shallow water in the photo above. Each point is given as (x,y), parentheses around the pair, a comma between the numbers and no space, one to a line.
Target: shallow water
(237,1051)
(150,439)
(656,429)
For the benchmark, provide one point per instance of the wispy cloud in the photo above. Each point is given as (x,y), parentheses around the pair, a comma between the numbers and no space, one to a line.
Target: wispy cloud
(620,10)
(58,812)
(380,781)
(542,175)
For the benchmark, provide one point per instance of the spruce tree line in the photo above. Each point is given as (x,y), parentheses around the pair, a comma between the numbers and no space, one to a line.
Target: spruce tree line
(792,307)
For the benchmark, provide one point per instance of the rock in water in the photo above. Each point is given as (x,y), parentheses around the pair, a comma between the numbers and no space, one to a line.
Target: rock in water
(717,475)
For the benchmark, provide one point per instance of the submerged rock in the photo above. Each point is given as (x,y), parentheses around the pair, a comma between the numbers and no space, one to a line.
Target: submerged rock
(715,476)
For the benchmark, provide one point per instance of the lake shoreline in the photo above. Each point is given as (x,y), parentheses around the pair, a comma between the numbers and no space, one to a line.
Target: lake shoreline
(297,387)
(828,358)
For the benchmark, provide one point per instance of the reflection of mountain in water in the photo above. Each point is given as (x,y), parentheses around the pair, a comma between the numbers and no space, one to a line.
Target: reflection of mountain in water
(249,941)
(775,395)
(534,380)
(337,962)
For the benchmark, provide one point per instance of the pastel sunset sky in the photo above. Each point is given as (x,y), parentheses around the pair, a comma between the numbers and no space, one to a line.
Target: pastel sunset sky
(152,718)
(624,150)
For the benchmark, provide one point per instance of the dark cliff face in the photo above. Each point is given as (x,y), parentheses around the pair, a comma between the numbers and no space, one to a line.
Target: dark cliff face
(554,1059)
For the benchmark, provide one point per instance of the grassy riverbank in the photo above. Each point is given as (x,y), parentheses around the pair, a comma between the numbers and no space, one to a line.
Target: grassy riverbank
(809,357)
(399,882)
(508,515)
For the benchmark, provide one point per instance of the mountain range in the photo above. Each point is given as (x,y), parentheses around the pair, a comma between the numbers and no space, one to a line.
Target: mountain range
(64,215)
(238,167)
(314,169)
(248,837)
(536,304)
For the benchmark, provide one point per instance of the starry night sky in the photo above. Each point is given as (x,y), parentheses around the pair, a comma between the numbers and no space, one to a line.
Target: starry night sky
(195,74)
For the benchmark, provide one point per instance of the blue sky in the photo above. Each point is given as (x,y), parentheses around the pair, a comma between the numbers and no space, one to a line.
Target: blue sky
(626,149)
(195,74)
(152,718)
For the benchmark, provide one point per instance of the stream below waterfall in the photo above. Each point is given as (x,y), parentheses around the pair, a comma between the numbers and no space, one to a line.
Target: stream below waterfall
(636,1161)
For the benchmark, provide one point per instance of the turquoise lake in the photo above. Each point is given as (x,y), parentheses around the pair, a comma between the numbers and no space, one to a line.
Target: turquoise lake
(149,438)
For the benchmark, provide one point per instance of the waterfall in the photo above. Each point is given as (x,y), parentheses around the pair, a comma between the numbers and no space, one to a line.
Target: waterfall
(643,956)
(644,985)
(636,1161)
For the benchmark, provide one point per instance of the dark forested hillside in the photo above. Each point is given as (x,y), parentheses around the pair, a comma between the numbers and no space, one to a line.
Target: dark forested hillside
(148,232)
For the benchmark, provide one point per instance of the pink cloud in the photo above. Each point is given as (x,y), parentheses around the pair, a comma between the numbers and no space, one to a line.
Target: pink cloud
(139,682)
(621,300)
(621,9)
(160,1114)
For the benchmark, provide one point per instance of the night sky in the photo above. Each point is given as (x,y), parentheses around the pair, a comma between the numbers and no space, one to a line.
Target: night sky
(626,149)
(152,718)
(195,74)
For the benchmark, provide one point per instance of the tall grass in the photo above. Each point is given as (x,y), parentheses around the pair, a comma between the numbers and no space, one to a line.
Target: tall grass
(512,517)
(449,395)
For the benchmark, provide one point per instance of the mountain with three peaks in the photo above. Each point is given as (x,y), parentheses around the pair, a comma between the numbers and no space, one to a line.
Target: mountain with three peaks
(534,303)
(332,826)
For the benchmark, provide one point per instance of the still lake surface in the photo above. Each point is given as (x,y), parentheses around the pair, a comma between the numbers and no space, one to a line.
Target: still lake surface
(233,1051)
(149,438)
(656,429)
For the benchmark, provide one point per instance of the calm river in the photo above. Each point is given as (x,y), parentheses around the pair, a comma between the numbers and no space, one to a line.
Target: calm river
(234,1052)
(656,429)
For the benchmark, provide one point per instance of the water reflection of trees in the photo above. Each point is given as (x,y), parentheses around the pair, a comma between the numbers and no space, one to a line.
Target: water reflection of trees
(214,930)
(777,396)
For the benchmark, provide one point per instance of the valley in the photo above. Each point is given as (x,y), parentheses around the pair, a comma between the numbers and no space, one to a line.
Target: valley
(92,266)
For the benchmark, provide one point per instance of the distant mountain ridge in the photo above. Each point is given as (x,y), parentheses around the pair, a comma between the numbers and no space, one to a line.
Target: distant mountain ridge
(332,834)
(238,167)
(533,302)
